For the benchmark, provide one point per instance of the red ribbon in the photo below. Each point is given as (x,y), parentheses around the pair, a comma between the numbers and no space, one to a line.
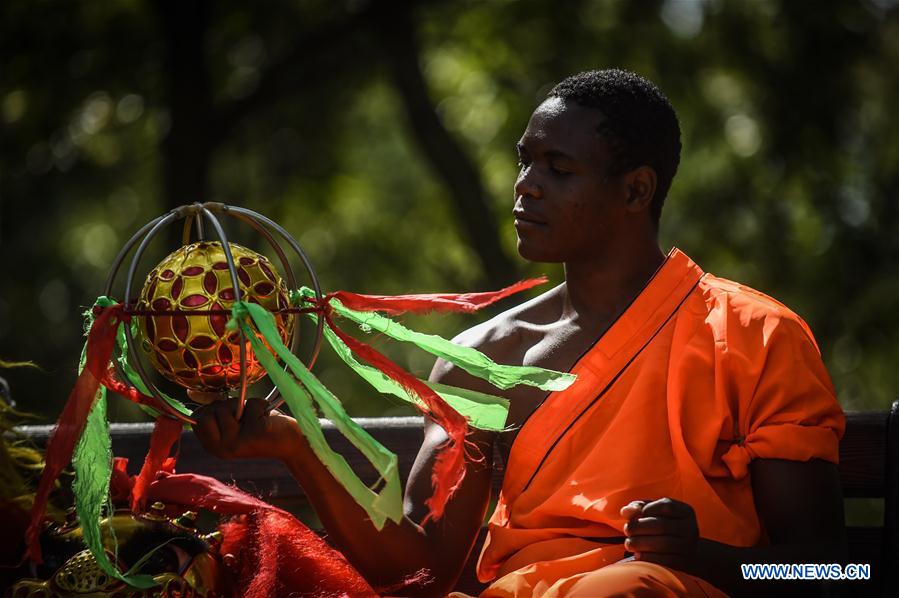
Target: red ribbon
(424,303)
(97,370)
(70,425)
(99,354)
(449,467)
(166,432)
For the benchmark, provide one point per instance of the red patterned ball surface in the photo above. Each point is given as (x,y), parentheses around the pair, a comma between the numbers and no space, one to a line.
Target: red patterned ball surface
(196,351)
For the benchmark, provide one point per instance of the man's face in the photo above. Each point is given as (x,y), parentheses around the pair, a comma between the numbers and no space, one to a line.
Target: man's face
(566,207)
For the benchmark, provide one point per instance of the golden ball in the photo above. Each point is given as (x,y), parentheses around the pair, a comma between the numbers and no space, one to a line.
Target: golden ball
(197,351)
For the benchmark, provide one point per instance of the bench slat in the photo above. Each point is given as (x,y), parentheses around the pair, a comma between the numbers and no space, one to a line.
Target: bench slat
(264,477)
(863,455)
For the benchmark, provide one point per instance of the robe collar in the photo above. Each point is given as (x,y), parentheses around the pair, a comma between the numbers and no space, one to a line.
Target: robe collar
(598,369)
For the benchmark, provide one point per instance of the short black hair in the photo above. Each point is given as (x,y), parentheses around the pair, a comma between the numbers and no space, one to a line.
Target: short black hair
(640,125)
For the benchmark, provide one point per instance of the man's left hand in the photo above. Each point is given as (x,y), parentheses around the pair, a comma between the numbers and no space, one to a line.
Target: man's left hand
(662,531)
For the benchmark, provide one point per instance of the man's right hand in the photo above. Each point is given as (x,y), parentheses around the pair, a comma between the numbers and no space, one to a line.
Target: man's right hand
(404,547)
(260,433)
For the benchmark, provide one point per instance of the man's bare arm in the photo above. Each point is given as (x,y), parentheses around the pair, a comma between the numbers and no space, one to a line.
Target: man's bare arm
(801,508)
(384,557)
(799,505)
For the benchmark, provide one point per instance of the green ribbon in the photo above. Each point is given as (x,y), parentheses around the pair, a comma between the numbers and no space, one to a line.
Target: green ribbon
(471,360)
(303,388)
(379,505)
(92,462)
(93,467)
(125,363)
(484,411)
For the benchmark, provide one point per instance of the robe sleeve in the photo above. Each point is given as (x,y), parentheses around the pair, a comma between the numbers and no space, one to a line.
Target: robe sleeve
(788,407)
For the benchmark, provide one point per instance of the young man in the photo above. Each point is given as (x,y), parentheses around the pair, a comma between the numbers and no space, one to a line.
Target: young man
(701,432)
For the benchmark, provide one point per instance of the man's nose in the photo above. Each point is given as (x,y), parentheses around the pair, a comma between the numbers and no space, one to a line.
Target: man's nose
(527,184)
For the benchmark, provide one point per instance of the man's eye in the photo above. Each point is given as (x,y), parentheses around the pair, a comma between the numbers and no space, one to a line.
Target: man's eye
(558,170)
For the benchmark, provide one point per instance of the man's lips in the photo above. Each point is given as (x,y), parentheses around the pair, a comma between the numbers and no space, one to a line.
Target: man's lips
(522,216)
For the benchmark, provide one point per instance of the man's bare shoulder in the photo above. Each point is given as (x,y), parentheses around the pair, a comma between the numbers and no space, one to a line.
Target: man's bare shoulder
(506,336)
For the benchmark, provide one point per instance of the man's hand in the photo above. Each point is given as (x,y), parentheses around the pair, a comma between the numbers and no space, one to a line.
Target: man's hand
(662,531)
(260,433)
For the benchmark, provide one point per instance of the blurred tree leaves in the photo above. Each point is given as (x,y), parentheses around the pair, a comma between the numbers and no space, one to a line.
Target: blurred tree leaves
(382,135)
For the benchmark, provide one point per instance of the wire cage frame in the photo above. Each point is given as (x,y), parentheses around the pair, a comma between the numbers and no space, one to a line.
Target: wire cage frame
(198,215)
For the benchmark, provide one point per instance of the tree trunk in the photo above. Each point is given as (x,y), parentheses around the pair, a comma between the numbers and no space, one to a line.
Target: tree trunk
(186,149)
(446,156)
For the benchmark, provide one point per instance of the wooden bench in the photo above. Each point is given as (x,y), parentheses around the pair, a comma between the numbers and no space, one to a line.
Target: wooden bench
(869,470)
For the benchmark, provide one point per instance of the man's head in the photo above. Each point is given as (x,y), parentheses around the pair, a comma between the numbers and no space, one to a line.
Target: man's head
(602,151)
(640,127)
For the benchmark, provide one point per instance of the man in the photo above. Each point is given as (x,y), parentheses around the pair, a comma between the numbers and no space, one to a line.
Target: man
(701,433)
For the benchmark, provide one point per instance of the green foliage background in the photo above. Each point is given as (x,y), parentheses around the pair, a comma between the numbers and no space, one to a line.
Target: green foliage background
(306,112)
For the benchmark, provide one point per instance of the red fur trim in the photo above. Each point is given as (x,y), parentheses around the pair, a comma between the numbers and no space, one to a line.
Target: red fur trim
(276,554)
(419,579)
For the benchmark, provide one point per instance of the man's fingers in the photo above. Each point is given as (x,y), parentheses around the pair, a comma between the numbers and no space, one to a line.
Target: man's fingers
(207,429)
(229,427)
(667,507)
(657,526)
(657,544)
(255,408)
(632,509)
(256,434)
(253,421)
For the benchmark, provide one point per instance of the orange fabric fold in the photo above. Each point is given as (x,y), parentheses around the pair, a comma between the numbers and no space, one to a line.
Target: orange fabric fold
(596,575)
(698,377)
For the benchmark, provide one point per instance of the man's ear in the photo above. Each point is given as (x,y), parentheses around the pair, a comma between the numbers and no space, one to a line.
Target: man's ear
(641,188)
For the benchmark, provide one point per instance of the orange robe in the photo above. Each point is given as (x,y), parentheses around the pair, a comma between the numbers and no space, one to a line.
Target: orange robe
(697,378)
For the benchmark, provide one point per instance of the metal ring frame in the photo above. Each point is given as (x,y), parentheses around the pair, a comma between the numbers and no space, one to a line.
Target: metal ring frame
(201,212)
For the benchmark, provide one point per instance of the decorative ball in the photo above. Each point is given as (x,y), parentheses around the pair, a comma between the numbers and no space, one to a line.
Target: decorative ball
(197,351)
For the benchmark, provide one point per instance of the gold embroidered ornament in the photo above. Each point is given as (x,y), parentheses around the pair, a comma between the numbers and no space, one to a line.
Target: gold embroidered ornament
(182,560)
(195,350)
